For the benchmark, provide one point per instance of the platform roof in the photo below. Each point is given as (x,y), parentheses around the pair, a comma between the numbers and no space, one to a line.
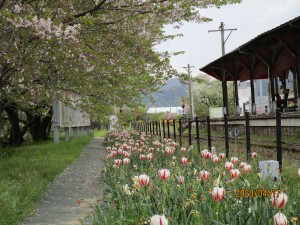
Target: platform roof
(275,48)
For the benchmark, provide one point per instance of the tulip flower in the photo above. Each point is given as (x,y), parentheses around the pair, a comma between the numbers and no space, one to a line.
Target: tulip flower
(184,160)
(183,149)
(118,162)
(253,155)
(126,161)
(221,155)
(126,154)
(279,200)
(218,194)
(108,149)
(234,160)
(235,173)
(216,159)
(228,166)
(169,151)
(113,153)
(144,179)
(280,219)
(180,179)
(142,157)
(151,149)
(242,164)
(164,174)
(149,156)
(158,220)
(247,168)
(204,175)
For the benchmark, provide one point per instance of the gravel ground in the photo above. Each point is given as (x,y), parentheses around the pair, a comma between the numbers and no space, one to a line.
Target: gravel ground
(74,192)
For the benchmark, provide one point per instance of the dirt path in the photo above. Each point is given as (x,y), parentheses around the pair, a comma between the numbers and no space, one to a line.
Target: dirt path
(73,192)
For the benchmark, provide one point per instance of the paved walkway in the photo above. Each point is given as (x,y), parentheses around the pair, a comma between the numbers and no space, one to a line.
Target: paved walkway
(73,192)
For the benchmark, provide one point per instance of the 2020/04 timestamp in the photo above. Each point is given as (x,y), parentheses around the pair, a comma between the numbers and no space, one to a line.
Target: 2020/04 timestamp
(253,193)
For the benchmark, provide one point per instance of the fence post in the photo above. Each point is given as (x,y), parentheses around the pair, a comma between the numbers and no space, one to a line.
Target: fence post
(156,126)
(180,133)
(247,135)
(190,131)
(278,134)
(150,126)
(208,134)
(159,128)
(153,128)
(226,135)
(168,128)
(174,129)
(146,127)
(164,135)
(198,135)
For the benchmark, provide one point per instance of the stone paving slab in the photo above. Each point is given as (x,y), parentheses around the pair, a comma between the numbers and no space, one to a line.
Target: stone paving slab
(74,192)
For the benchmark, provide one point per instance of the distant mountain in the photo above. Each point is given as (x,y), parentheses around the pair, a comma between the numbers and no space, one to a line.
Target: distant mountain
(168,94)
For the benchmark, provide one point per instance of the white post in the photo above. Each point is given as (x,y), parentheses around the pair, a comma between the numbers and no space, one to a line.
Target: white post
(55,120)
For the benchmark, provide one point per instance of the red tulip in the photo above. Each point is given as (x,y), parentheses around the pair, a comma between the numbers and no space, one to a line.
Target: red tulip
(204,175)
(221,155)
(279,200)
(228,166)
(184,160)
(180,179)
(234,160)
(164,174)
(253,155)
(234,173)
(280,219)
(126,161)
(144,179)
(218,194)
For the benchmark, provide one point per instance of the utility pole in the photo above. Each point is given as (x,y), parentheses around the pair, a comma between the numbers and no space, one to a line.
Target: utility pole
(190,91)
(222,30)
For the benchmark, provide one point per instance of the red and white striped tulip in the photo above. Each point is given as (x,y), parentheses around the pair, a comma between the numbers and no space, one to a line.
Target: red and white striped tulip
(113,153)
(108,149)
(169,151)
(184,160)
(228,166)
(140,150)
(218,194)
(234,160)
(151,149)
(144,179)
(235,173)
(204,175)
(126,154)
(253,155)
(164,174)
(242,164)
(216,159)
(280,219)
(158,220)
(149,156)
(118,162)
(180,179)
(126,161)
(183,149)
(247,168)
(222,155)
(279,200)
(142,157)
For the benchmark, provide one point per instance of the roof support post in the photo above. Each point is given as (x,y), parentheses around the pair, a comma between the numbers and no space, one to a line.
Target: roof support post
(253,106)
(272,89)
(225,95)
(236,92)
(298,70)
(295,86)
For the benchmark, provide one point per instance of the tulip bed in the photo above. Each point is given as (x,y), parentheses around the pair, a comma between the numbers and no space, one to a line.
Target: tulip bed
(158,182)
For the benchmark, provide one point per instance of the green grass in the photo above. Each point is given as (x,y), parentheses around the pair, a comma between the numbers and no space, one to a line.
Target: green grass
(25,174)
(100,133)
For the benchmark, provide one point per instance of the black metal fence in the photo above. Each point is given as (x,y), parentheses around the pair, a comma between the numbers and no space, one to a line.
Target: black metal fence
(162,129)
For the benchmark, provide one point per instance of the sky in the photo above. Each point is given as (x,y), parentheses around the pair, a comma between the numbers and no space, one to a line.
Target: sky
(250,18)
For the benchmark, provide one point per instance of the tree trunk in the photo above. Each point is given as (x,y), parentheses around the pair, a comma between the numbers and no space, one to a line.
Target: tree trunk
(39,126)
(16,135)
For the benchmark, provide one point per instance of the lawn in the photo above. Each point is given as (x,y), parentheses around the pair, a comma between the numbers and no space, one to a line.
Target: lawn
(25,174)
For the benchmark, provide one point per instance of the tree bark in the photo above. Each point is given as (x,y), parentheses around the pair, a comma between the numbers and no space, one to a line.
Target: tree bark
(16,135)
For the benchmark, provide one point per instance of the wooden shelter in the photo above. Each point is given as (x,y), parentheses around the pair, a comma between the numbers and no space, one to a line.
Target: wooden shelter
(270,55)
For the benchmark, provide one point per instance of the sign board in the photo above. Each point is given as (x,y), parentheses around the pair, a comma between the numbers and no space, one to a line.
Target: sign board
(235,132)
(216,112)
(72,116)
